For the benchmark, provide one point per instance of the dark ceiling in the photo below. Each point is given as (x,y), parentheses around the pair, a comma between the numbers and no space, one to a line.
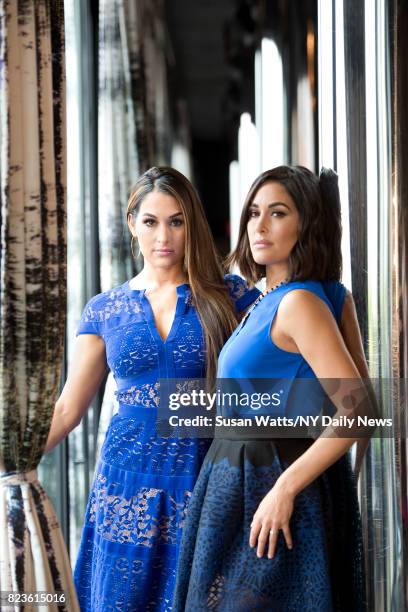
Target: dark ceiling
(196,31)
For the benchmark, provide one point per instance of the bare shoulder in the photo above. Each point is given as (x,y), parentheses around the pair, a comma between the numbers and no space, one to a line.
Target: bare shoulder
(303,312)
(300,301)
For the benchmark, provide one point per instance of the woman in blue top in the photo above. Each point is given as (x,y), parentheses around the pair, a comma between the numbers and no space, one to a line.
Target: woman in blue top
(274,524)
(169,321)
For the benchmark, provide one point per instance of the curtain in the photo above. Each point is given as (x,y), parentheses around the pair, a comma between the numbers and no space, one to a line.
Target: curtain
(133,119)
(118,157)
(32,291)
(134,131)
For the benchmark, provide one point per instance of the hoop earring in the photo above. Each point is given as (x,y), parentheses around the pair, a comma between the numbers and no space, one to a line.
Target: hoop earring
(131,248)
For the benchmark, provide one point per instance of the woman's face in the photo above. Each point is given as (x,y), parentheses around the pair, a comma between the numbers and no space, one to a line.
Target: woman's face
(273,224)
(160,230)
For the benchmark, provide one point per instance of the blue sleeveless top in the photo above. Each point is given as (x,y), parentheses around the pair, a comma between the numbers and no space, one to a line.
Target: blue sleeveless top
(250,353)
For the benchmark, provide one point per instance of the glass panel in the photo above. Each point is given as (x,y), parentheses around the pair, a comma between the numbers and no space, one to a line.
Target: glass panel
(326,83)
(377,244)
(67,478)
(77,472)
(270,104)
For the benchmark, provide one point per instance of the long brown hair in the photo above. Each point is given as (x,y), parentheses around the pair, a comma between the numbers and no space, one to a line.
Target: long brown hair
(317,252)
(203,269)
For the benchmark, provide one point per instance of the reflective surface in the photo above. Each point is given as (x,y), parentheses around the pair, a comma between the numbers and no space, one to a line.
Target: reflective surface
(398,53)
(377,129)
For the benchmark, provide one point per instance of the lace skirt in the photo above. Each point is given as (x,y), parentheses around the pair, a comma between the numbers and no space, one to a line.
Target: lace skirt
(219,571)
(135,515)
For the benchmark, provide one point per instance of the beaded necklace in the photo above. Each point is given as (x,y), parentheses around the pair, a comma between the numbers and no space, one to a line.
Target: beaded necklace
(260,298)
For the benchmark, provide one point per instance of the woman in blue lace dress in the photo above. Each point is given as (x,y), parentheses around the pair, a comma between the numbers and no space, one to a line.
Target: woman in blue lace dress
(273,523)
(169,321)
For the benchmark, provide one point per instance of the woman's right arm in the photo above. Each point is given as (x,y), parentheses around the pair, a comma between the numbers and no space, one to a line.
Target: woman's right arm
(87,370)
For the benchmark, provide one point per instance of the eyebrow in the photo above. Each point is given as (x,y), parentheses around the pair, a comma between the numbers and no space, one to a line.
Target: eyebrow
(147,214)
(255,205)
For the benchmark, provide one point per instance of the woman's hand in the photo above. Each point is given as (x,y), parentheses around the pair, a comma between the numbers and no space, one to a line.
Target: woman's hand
(273,514)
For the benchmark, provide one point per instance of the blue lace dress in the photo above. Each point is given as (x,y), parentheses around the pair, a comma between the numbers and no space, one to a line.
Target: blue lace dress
(143,483)
(324,572)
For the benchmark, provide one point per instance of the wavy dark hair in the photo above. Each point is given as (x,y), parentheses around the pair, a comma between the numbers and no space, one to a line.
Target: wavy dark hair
(201,262)
(317,252)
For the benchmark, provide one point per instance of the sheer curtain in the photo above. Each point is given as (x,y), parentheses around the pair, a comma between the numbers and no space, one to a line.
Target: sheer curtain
(133,119)
(134,131)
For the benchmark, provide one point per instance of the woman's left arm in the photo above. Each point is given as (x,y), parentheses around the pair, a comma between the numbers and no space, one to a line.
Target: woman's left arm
(350,330)
(305,320)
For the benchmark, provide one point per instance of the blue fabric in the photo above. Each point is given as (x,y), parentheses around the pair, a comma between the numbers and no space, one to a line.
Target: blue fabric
(300,393)
(324,571)
(336,292)
(143,482)
(268,359)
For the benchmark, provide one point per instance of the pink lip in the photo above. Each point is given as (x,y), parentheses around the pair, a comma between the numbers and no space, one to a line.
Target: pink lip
(163,251)
(262,243)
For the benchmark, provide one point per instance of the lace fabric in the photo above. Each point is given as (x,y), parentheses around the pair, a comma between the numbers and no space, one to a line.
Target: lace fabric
(143,482)
(147,518)
(324,572)
(130,584)
(135,516)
